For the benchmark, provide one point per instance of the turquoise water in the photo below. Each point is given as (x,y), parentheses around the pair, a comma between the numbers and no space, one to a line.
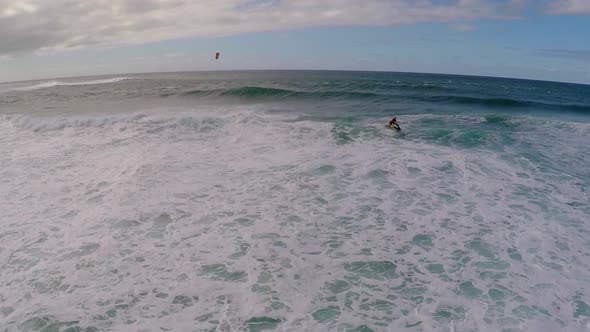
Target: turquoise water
(279,201)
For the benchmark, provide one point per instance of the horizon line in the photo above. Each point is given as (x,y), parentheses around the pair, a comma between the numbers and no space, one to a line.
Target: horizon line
(300,70)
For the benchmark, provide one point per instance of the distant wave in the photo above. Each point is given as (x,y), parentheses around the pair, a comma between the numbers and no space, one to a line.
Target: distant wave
(50,84)
(251,91)
(254,92)
(501,102)
(350,91)
(481,101)
(259,93)
(399,86)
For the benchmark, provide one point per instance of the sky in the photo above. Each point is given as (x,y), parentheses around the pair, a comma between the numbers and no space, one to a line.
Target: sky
(535,39)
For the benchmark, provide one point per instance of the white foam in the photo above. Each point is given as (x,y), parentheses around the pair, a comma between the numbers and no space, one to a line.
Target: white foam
(50,84)
(119,222)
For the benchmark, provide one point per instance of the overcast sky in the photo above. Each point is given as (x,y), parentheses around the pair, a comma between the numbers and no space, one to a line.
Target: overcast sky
(540,39)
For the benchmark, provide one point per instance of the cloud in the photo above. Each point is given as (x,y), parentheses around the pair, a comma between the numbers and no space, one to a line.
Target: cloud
(580,55)
(174,55)
(15,8)
(49,26)
(461,27)
(569,7)
(517,4)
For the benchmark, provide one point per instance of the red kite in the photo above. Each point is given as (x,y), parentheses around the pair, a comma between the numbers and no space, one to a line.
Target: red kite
(217,56)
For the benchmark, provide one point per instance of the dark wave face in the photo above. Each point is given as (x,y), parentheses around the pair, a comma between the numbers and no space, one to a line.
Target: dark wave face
(413,93)
(255,93)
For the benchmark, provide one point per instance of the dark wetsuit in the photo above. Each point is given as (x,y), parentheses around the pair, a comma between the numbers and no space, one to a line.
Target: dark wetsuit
(393,123)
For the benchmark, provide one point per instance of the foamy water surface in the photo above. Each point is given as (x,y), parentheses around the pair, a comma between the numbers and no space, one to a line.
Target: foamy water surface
(199,215)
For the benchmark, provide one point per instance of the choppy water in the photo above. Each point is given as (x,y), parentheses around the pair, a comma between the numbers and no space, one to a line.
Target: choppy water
(278,200)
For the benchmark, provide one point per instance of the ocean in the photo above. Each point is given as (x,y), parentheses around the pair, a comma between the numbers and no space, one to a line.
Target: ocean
(278,200)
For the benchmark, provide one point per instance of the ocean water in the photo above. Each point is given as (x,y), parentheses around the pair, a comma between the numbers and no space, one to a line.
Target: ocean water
(254,201)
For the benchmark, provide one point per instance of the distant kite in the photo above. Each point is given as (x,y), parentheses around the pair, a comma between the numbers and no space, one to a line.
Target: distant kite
(217,56)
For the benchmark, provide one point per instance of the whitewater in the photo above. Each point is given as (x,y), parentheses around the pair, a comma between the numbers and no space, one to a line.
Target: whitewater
(279,201)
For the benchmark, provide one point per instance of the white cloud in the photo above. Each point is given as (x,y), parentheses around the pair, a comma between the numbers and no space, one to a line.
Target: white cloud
(143,59)
(173,55)
(574,7)
(462,27)
(15,8)
(49,26)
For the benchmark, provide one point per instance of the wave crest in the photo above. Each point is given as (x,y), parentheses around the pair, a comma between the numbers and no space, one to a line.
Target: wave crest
(51,84)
